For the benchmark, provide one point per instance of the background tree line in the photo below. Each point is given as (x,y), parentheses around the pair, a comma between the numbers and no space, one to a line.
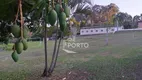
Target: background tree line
(82,10)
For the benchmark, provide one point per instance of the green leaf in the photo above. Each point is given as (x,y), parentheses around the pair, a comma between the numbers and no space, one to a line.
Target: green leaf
(66,1)
(37,4)
(39,11)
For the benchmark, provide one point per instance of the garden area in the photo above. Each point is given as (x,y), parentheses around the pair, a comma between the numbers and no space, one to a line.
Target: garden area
(34,33)
(120,60)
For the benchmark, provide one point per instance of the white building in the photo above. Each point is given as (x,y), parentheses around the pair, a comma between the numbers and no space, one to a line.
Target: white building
(91,31)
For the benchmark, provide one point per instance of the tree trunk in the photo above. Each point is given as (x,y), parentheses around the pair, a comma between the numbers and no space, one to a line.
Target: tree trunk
(45,73)
(133,33)
(54,53)
(117,24)
(106,37)
(74,32)
(56,56)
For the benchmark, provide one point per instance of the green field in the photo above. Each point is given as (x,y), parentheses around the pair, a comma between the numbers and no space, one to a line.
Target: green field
(120,60)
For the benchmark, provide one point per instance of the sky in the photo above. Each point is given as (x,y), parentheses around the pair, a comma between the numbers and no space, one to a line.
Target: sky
(132,7)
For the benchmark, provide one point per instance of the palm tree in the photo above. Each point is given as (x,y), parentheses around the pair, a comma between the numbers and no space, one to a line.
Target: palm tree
(74,3)
(84,10)
(80,6)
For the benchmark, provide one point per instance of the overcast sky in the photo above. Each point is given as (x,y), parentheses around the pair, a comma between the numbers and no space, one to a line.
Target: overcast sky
(133,7)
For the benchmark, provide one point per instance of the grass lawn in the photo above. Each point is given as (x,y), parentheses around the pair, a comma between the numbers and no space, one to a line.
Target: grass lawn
(120,60)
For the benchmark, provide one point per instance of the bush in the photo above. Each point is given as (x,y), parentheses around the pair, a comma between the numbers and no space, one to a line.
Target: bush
(127,25)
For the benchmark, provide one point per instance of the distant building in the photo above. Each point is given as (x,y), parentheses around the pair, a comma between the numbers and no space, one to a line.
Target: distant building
(140,24)
(92,30)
